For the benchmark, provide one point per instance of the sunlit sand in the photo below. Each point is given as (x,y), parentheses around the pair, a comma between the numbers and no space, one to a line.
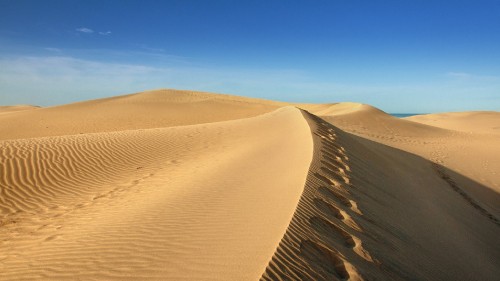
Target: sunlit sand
(183,185)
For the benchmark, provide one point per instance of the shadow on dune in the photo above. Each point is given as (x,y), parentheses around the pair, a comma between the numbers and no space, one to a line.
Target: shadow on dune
(423,225)
(449,177)
(408,218)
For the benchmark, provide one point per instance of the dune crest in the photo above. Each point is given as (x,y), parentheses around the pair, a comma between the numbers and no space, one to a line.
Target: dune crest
(183,185)
(201,202)
(366,206)
(145,110)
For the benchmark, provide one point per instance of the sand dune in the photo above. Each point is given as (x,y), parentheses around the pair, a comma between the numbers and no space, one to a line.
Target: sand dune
(157,203)
(14,108)
(181,185)
(372,212)
(474,121)
(472,154)
(146,110)
(370,121)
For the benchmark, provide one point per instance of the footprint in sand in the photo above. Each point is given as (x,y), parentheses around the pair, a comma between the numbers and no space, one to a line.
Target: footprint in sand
(324,259)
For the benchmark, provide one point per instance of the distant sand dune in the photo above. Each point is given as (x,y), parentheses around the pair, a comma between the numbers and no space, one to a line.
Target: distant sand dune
(15,108)
(146,110)
(183,185)
(472,122)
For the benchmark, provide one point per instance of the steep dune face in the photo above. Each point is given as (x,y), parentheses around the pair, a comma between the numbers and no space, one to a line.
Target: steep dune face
(474,155)
(373,212)
(322,241)
(201,202)
(152,109)
(422,228)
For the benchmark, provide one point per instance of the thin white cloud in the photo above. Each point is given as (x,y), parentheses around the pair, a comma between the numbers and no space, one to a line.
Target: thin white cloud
(472,77)
(105,32)
(60,79)
(50,49)
(84,30)
(160,50)
(149,48)
(461,75)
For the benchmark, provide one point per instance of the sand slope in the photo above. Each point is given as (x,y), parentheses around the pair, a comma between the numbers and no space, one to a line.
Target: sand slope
(151,109)
(181,185)
(373,212)
(474,155)
(202,202)
(487,122)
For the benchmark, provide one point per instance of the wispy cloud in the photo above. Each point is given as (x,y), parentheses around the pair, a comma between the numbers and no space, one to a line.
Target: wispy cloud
(149,48)
(63,79)
(56,79)
(472,77)
(461,75)
(59,79)
(160,50)
(54,50)
(85,30)
(89,31)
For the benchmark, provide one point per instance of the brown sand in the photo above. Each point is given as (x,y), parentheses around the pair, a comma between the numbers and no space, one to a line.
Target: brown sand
(180,185)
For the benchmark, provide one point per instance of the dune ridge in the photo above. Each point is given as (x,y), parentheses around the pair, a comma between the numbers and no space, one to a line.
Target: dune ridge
(366,206)
(321,242)
(182,203)
(183,185)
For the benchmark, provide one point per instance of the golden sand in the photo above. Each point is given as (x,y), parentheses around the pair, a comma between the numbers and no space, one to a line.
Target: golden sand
(183,185)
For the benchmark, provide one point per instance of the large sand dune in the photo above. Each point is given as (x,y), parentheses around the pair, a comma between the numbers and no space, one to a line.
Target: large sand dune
(181,185)
(152,109)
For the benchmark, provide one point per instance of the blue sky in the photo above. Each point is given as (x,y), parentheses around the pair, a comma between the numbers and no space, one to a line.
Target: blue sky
(401,55)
